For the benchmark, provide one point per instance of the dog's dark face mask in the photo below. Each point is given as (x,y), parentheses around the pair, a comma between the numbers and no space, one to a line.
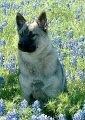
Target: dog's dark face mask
(27,39)
(27,42)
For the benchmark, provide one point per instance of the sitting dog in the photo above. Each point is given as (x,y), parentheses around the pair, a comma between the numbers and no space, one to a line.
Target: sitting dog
(41,74)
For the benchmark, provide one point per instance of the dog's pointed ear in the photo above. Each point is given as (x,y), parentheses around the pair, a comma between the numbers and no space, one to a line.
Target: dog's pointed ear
(42,21)
(20,20)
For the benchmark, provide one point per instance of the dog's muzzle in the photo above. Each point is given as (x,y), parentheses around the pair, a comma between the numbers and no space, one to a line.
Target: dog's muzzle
(26,47)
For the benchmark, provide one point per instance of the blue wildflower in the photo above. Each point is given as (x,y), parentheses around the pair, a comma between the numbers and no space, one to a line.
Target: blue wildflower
(5,65)
(78,14)
(1,59)
(41,117)
(22,12)
(79,9)
(70,45)
(58,52)
(71,52)
(1,28)
(58,40)
(2,107)
(34,7)
(68,5)
(15,6)
(37,111)
(23,105)
(11,59)
(75,42)
(36,107)
(77,116)
(27,1)
(49,9)
(68,74)
(83,115)
(83,112)
(12,67)
(45,117)
(82,39)
(61,117)
(4,10)
(22,3)
(2,42)
(79,51)
(73,62)
(36,104)
(6,4)
(1,81)
(70,34)
(64,45)
(34,117)
(4,23)
(72,77)
(80,73)
(13,115)
(61,56)
(59,20)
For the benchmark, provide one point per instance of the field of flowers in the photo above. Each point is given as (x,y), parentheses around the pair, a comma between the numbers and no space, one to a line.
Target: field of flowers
(66,20)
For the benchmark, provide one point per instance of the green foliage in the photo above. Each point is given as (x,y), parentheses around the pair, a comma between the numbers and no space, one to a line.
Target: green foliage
(50,108)
(67,103)
(26,114)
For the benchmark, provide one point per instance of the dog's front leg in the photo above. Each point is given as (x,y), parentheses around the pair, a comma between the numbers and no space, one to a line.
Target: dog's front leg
(25,93)
(25,88)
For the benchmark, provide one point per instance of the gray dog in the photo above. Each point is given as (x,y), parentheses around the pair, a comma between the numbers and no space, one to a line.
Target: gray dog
(41,74)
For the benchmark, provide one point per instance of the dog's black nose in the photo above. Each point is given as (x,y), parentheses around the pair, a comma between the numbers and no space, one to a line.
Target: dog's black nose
(27,47)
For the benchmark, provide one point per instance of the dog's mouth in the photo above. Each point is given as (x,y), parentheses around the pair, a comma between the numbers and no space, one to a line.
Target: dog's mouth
(26,47)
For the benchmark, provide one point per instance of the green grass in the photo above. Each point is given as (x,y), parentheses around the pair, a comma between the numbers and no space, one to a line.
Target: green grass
(67,103)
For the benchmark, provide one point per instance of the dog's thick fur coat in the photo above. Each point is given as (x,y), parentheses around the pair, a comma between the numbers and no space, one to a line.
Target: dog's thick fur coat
(41,74)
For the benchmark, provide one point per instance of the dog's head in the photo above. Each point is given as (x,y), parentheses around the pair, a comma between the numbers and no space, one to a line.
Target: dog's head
(32,37)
